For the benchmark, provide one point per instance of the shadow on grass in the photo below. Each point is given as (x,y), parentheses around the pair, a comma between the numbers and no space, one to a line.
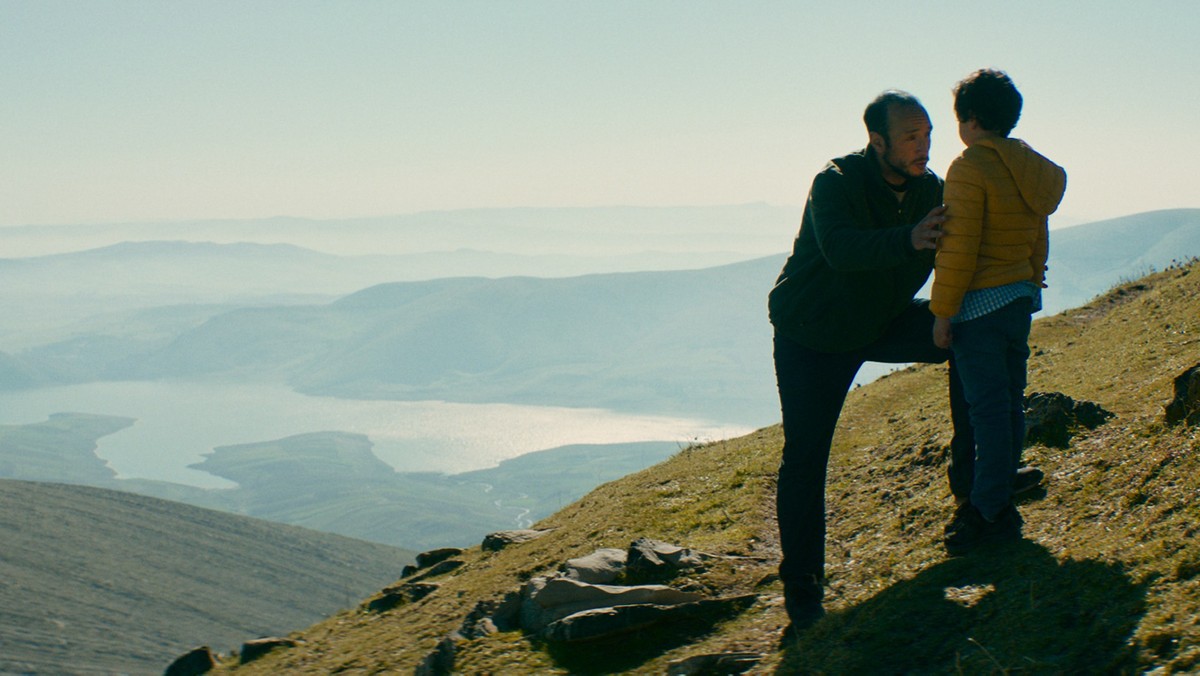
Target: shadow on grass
(999,610)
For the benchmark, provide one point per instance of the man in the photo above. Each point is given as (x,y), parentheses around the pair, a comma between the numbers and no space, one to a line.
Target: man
(845,296)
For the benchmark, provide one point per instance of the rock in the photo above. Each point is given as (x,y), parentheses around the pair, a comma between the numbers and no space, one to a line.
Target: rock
(252,650)
(197,661)
(715,665)
(652,559)
(438,569)
(489,617)
(1052,418)
(436,556)
(392,597)
(605,622)
(1185,407)
(440,662)
(545,600)
(430,558)
(600,567)
(507,615)
(494,542)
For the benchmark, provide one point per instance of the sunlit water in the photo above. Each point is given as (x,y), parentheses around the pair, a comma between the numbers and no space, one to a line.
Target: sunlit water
(177,423)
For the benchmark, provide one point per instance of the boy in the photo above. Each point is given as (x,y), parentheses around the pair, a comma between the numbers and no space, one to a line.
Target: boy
(988,277)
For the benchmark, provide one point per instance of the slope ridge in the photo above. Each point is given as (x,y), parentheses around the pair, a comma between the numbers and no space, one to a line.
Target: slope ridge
(99,581)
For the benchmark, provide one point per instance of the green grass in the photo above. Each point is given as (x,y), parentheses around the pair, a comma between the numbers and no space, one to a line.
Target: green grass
(1107,580)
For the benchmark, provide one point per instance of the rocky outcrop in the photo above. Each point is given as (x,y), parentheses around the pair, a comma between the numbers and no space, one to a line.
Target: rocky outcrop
(600,567)
(431,558)
(582,603)
(545,601)
(193,663)
(602,622)
(440,662)
(415,585)
(585,601)
(489,617)
(436,570)
(494,542)
(1185,407)
(399,595)
(719,663)
(652,560)
(252,650)
(1053,418)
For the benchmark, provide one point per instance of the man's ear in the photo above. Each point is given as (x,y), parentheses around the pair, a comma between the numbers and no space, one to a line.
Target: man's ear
(877,142)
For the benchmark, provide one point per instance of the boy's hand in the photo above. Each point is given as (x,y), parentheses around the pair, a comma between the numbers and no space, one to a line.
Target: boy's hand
(941,332)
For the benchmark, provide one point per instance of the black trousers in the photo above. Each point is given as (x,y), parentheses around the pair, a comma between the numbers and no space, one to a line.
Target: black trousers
(812,390)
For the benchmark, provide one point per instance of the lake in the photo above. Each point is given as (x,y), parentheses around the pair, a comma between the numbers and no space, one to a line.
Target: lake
(179,422)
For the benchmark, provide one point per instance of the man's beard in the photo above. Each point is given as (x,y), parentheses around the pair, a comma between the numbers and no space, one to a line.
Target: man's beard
(903,171)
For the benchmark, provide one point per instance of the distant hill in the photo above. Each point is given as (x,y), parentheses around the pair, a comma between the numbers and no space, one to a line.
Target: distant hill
(692,342)
(333,482)
(100,581)
(623,341)
(1086,260)
(1106,580)
(748,230)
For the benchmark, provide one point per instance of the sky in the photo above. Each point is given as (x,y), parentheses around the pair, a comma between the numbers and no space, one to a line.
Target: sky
(117,111)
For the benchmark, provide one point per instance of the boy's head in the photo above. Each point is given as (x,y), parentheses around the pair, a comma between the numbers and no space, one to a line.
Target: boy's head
(990,98)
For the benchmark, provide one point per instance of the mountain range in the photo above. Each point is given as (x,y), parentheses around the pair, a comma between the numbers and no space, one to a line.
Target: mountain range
(626,341)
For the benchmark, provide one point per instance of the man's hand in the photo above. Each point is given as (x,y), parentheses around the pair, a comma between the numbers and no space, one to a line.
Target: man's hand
(941,332)
(925,235)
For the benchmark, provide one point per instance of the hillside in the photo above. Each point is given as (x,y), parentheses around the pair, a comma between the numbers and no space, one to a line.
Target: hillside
(1106,581)
(99,581)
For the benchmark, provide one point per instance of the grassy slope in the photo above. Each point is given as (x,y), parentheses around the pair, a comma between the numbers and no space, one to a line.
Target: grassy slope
(98,581)
(1107,580)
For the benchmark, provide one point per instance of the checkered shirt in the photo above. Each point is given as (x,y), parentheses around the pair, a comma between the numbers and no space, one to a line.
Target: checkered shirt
(979,302)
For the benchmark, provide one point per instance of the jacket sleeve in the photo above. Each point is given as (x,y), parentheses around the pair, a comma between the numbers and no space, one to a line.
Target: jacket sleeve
(1041,250)
(958,250)
(842,226)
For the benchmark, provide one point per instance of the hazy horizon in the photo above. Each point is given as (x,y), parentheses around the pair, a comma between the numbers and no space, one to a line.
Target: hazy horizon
(121,112)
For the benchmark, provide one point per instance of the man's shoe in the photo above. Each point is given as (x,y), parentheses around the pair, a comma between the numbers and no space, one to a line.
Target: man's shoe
(976,530)
(803,605)
(959,518)
(1027,479)
(803,614)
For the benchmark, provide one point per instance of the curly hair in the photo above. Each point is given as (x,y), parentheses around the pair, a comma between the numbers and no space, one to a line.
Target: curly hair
(990,98)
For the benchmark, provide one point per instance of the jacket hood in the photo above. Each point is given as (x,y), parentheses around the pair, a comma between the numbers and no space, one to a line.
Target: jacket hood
(1042,183)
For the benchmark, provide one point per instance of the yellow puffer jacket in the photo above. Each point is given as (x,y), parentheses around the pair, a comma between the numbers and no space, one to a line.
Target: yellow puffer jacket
(999,193)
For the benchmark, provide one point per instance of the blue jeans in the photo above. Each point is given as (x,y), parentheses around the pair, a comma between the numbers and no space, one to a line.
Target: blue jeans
(991,352)
(812,390)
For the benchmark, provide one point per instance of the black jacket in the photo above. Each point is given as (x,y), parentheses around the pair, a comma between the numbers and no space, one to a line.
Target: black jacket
(853,269)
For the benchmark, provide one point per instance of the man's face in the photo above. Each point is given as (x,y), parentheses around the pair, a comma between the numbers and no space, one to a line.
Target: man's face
(905,153)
